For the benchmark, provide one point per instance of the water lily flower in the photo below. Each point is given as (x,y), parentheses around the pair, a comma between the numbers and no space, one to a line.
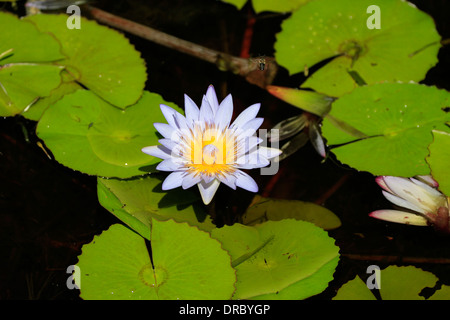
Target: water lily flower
(204,149)
(424,204)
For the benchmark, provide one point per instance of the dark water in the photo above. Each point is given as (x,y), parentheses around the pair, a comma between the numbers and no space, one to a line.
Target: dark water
(47,211)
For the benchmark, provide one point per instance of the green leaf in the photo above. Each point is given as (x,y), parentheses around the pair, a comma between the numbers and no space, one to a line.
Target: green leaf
(139,200)
(67,86)
(87,134)
(355,289)
(28,43)
(310,101)
(286,259)
(99,58)
(439,160)
(186,265)
(396,283)
(404,48)
(264,209)
(25,75)
(395,120)
(405,283)
(23,83)
(442,294)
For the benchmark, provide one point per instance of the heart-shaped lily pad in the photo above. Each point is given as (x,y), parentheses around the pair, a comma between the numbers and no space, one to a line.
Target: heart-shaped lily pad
(186,264)
(404,48)
(98,57)
(139,200)
(87,134)
(287,259)
(24,56)
(386,128)
(439,160)
(265,209)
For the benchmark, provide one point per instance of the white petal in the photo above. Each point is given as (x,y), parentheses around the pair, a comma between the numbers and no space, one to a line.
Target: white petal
(181,122)
(168,143)
(168,165)
(228,179)
(251,161)
(173,180)
(157,151)
(207,178)
(269,153)
(208,190)
(191,110)
(166,131)
(402,202)
(414,193)
(189,180)
(399,217)
(432,191)
(246,115)
(428,180)
(169,114)
(206,113)
(249,128)
(246,182)
(225,113)
(212,99)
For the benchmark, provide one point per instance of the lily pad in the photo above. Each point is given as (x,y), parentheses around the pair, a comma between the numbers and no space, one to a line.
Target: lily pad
(404,48)
(40,80)
(386,128)
(265,209)
(28,43)
(287,259)
(439,160)
(117,265)
(25,54)
(396,283)
(138,200)
(34,112)
(99,58)
(87,134)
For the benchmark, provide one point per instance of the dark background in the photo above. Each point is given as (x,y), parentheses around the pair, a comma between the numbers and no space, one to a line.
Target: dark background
(47,211)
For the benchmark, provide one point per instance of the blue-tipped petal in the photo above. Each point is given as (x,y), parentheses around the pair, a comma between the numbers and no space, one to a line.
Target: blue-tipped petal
(212,99)
(157,151)
(206,113)
(169,114)
(246,182)
(225,113)
(228,179)
(269,153)
(173,180)
(166,131)
(246,115)
(168,165)
(189,180)
(191,110)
